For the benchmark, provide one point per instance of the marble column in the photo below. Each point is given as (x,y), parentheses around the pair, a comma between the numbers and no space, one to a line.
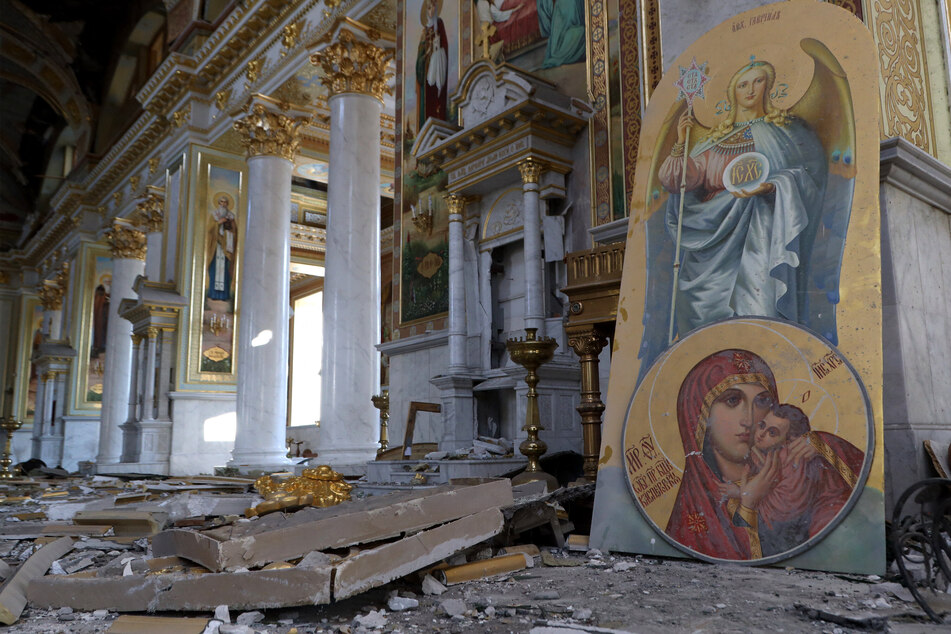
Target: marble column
(51,299)
(531,170)
(128,262)
(150,214)
(351,363)
(485,310)
(271,136)
(457,281)
(134,382)
(148,395)
(165,362)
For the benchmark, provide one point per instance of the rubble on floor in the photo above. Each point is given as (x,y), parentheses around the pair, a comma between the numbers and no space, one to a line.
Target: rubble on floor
(108,554)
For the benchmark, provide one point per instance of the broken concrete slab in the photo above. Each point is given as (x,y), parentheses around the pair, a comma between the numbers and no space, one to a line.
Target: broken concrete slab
(124,522)
(13,593)
(380,565)
(178,591)
(284,537)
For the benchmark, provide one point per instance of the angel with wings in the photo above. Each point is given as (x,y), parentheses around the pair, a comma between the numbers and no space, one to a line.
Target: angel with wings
(772,249)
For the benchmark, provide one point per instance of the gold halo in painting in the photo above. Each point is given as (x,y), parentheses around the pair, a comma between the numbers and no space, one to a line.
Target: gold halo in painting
(225,195)
(756,397)
(422,10)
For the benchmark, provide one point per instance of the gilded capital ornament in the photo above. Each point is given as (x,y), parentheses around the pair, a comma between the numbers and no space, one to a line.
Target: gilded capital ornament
(126,242)
(149,212)
(289,35)
(267,133)
(153,164)
(456,204)
(352,65)
(531,170)
(51,295)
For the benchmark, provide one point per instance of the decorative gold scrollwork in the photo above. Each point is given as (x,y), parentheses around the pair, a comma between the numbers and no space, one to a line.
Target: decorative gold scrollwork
(352,65)
(126,242)
(264,132)
(314,487)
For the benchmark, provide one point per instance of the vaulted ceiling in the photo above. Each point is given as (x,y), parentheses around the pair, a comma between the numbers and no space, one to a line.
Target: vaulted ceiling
(59,60)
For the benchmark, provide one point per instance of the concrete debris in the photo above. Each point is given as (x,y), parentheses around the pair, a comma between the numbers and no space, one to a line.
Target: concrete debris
(453,607)
(13,594)
(374,620)
(431,586)
(400,604)
(222,614)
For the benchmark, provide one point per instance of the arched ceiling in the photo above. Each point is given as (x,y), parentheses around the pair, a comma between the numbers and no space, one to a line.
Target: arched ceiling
(57,60)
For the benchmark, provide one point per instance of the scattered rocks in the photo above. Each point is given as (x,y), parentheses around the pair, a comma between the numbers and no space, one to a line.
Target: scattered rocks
(431,586)
(399,604)
(222,614)
(546,595)
(249,618)
(453,607)
(375,620)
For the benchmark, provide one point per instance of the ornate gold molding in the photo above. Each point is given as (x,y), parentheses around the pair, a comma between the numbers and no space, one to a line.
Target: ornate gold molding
(149,212)
(182,116)
(51,295)
(126,242)
(267,133)
(222,97)
(253,70)
(352,65)
(457,205)
(289,36)
(153,164)
(904,90)
(531,170)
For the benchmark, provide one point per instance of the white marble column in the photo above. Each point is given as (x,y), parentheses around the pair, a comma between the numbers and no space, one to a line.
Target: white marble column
(134,383)
(148,397)
(165,361)
(351,363)
(457,281)
(49,397)
(531,170)
(271,138)
(485,310)
(128,262)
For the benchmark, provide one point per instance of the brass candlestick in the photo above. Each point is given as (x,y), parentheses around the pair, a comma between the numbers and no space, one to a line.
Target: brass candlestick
(382,403)
(9,425)
(531,353)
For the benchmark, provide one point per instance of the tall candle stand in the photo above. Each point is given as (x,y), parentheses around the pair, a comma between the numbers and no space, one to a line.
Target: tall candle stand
(10,424)
(530,353)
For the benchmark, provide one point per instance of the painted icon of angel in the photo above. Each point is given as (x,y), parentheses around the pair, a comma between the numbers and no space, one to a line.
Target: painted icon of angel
(767,194)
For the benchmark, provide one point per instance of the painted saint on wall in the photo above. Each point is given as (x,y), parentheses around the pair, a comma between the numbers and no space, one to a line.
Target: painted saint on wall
(745,396)
(772,441)
(432,65)
(221,266)
(767,193)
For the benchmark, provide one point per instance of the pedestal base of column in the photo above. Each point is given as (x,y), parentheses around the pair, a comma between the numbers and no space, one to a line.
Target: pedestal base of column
(49,449)
(261,462)
(347,457)
(130,441)
(458,410)
(155,441)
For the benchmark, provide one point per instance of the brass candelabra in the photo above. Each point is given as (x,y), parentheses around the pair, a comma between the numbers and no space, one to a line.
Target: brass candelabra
(9,425)
(382,403)
(531,353)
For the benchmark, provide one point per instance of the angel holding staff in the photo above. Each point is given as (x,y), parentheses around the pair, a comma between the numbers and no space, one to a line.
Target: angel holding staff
(744,206)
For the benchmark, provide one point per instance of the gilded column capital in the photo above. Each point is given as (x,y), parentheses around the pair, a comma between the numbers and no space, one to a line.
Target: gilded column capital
(531,170)
(152,332)
(457,206)
(265,132)
(126,241)
(354,65)
(149,212)
(51,295)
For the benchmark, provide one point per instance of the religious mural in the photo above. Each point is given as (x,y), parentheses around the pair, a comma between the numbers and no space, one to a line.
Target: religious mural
(220,266)
(430,72)
(98,325)
(770,445)
(36,338)
(745,396)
